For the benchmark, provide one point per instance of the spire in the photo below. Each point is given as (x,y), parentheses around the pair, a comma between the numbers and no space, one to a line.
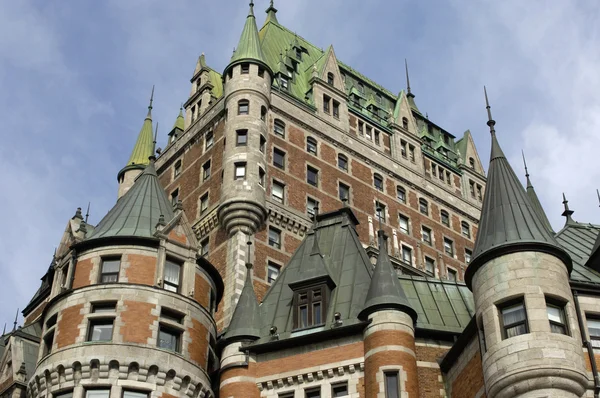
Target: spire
(535,202)
(271,13)
(143,148)
(152,156)
(509,222)
(408,92)
(568,212)
(87,214)
(16,320)
(248,48)
(245,322)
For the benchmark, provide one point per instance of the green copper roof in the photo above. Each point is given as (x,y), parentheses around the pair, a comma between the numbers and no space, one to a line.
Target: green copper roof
(509,222)
(245,321)
(385,291)
(248,47)
(144,146)
(137,212)
(579,241)
(180,121)
(271,13)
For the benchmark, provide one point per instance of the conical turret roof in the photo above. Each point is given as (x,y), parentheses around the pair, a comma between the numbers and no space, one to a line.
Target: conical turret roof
(144,145)
(248,48)
(180,121)
(535,201)
(138,211)
(385,291)
(245,322)
(509,222)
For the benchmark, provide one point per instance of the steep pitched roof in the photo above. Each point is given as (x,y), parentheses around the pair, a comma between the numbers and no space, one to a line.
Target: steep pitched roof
(137,212)
(535,202)
(385,291)
(579,240)
(245,321)
(509,222)
(180,121)
(248,47)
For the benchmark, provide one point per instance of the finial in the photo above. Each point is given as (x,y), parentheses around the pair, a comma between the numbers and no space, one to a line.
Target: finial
(409,93)
(315,247)
(248,262)
(568,212)
(4,330)
(491,122)
(83,227)
(272,5)
(161,221)
(154,142)
(251,12)
(87,214)
(598,193)
(16,319)
(526,171)
(78,214)
(179,205)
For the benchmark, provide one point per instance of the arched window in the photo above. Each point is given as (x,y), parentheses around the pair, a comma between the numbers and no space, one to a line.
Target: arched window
(405,123)
(343,162)
(279,127)
(378,182)
(465,229)
(423,206)
(472,163)
(243,107)
(263,113)
(401,194)
(330,78)
(445,217)
(311,145)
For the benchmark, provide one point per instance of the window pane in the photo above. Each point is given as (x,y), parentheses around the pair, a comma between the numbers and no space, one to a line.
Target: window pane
(554,314)
(97,393)
(561,329)
(340,390)
(172,272)
(513,314)
(101,332)
(316,313)
(109,266)
(167,340)
(313,394)
(303,316)
(391,385)
(593,327)
(516,330)
(110,278)
(134,394)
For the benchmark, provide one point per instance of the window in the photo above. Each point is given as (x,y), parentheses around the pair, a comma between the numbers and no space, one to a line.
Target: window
(96,393)
(513,319)
(403,224)
(369,131)
(49,337)
(411,153)
(479,194)
(263,113)
(423,206)
(261,71)
(407,255)
(468,255)
(330,78)
(392,385)
(279,158)
(243,107)
(326,101)
(193,112)
(433,170)
(311,145)
(263,143)
(472,188)
(100,329)
(209,140)
(449,247)
(261,177)
(343,162)
(312,176)
(272,271)
(448,180)
(284,81)
(339,390)
(177,169)
(472,163)
(378,182)
(556,316)
(204,203)
(312,393)
(240,171)
(274,238)
(403,148)
(241,137)
(466,231)
(309,307)
(426,235)
(279,127)
(277,191)
(110,270)
(430,266)
(134,394)
(286,395)
(336,109)
(245,68)
(172,276)
(298,54)
(377,134)
(405,123)
(206,170)
(344,191)
(380,211)
(171,315)
(445,218)
(168,338)
(593,325)
(204,247)
(401,194)
(361,127)
(452,274)
(311,205)
(175,197)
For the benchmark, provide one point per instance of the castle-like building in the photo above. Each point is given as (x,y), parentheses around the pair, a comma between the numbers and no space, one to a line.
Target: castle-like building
(307,233)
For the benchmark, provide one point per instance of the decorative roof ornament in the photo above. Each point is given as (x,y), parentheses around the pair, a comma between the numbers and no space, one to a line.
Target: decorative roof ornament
(535,201)
(161,222)
(83,227)
(568,212)
(598,193)
(408,91)
(526,171)
(248,48)
(271,13)
(16,319)
(152,156)
(78,214)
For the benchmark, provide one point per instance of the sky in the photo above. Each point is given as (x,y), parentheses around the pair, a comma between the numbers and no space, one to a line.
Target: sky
(76,76)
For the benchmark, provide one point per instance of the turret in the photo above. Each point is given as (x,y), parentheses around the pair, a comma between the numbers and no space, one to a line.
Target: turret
(519,276)
(139,156)
(178,127)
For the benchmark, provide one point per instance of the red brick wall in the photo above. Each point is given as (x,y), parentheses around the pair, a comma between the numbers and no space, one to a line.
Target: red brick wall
(68,326)
(83,270)
(142,269)
(470,380)
(33,315)
(244,389)
(429,378)
(201,291)
(137,319)
(198,348)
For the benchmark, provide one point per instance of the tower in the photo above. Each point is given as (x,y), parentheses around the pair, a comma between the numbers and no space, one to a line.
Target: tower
(519,276)
(242,209)
(142,150)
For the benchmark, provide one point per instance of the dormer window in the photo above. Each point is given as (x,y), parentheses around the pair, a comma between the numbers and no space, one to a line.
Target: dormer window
(330,79)
(284,81)
(472,163)
(309,306)
(298,54)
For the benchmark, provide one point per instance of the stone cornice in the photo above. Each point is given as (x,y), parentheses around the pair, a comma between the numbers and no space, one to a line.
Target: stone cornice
(284,218)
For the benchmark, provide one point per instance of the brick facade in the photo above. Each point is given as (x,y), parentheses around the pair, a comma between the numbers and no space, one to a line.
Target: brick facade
(137,318)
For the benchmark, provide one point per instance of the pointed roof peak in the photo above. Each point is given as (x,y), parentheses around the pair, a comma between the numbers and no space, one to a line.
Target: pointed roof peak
(526,171)
(251,11)
(535,201)
(271,13)
(568,212)
(149,116)
(248,48)
(408,91)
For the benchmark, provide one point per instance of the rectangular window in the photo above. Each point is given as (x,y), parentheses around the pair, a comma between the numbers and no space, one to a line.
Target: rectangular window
(468,254)
(311,145)
(403,224)
(97,393)
(378,182)
(466,231)
(274,238)
(309,307)
(48,342)
(67,394)
(593,325)
(101,308)
(110,270)
(336,109)
(479,194)
(401,194)
(411,153)
(312,393)
(177,169)
(175,197)
(168,338)
(261,177)
(361,128)
(241,138)
(339,390)
(326,101)
(556,317)
(245,69)
(343,162)
(449,247)
(311,205)
(279,128)
(344,191)
(204,246)
(172,276)
(472,188)
(262,144)
(426,235)
(513,319)
(369,130)
(403,148)
(312,176)
(286,395)
(279,159)
(261,71)
(392,385)
(445,217)
(272,271)
(452,275)
(377,137)
(100,329)
(171,315)
(204,203)
(240,171)
(430,266)
(278,192)
(209,140)
(285,83)
(243,107)
(380,211)
(407,255)
(206,170)
(134,394)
